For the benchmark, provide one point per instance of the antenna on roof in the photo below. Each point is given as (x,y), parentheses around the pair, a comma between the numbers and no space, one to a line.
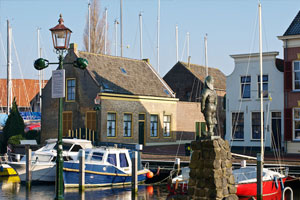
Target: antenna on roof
(105,36)
(141,35)
(188,44)
(158,26)
(89,27)
(116,37)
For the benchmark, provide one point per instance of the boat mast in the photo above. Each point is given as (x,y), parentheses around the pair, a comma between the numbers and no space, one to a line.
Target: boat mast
(141,35)
(40,71)
(9,88)
(89,27)
(105,36)
(206,60)
(116,37)
(176,37)
(158,30)
(121,23)
(188,45)
(260,160)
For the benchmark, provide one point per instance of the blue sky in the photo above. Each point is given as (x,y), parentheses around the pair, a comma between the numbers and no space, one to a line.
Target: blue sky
(231,25)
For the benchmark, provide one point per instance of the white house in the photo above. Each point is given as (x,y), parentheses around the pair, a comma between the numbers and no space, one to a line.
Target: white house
(243,101)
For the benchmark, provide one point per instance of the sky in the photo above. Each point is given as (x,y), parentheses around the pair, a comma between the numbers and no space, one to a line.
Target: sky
(231,27)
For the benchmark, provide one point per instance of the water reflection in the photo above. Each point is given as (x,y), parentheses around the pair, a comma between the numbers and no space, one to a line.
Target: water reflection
(144,192)
(12,189)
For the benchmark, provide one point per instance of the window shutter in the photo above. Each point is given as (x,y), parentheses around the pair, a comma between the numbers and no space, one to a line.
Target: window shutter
(288,124)
(288,76)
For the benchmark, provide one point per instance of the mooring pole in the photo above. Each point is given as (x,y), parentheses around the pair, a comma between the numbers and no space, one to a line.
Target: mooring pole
(81,170)
(134,179)
(259,177)
(28,167)
(177,163)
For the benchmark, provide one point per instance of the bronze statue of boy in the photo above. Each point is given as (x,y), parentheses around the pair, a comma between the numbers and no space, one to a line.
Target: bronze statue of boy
(209,105)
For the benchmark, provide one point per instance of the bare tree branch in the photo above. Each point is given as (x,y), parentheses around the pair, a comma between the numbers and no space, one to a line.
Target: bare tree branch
(97,30)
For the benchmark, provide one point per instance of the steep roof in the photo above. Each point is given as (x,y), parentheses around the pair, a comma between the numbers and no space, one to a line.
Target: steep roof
(23,89)
(200,72)
(126,76)
(294,28)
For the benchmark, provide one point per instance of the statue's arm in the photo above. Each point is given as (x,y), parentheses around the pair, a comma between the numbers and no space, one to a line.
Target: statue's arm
(203,99)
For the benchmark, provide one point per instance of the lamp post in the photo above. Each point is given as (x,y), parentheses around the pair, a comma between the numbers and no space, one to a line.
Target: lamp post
(61,38)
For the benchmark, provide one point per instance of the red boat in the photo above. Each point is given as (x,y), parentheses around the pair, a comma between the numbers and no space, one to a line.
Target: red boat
(245,179)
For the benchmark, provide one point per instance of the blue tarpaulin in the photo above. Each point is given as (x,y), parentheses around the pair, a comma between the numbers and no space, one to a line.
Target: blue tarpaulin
(3,118)
(31,115)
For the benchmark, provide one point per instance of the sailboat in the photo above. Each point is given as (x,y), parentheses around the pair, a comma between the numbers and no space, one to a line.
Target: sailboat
(258,181)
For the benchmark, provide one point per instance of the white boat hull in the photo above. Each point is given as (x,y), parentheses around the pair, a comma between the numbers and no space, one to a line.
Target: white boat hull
(40,171)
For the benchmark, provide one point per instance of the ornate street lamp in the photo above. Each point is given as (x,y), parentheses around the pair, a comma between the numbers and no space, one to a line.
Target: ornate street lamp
(61,38)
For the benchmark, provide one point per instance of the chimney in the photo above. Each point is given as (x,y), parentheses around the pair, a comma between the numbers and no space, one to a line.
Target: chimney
(74,48)
(147,60)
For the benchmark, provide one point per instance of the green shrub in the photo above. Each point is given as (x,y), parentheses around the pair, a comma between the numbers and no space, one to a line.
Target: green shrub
(33,135)
(14,140)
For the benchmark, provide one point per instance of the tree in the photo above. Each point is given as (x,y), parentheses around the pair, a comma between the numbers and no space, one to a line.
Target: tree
(97,30)
(14,125)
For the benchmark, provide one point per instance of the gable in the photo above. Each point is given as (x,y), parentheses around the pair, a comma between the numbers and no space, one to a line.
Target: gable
(294,28)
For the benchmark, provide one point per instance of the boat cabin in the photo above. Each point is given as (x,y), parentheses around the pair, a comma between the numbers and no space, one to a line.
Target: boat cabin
(118,157)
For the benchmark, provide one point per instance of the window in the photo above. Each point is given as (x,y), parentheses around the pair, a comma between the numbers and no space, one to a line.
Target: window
(112,159)
(153,125)
(91,120)
(296,75)
(97,156)
(111,125)
(127,125)
(167,125)
(238,126)
(245,87)
(123,160)
(265,79)
(256,125)
(76,148)
(67,122)
(296,123)
(71,85)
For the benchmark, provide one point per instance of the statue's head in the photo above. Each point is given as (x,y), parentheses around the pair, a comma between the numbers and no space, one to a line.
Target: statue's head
(209,82)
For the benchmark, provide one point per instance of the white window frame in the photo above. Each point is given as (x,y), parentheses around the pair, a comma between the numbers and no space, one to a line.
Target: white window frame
(298,71)
(234,127)
(244,84)
(264,83)
(259,125)
(72,88)
(127,123)
(167,126)
(152,126)
(112,122)
(294,128)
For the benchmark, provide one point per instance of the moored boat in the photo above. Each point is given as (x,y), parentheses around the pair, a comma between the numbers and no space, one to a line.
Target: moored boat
(104,166)
(43,165)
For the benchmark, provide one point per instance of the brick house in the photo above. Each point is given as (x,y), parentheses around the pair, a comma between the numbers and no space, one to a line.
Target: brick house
(187,81)
(135,104)
(291,45)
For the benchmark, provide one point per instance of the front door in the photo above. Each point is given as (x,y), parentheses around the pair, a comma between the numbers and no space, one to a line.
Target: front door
(276,130)
(141,128)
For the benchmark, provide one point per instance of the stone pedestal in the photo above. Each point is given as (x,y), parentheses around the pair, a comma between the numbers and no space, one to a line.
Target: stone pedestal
(211,170)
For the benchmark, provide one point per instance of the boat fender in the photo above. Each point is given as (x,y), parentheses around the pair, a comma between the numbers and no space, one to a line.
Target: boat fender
(1,168)
(276,182)
(281,184)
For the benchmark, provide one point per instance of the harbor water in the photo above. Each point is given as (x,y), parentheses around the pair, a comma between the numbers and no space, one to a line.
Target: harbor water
(11,188)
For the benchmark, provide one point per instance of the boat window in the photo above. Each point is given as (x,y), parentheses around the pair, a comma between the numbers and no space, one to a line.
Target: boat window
(86,155)
(97,156)
(112,159)
(66,146)
(123,160)
(76,148)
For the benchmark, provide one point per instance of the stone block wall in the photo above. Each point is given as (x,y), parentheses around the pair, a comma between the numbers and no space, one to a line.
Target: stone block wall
(211,171)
